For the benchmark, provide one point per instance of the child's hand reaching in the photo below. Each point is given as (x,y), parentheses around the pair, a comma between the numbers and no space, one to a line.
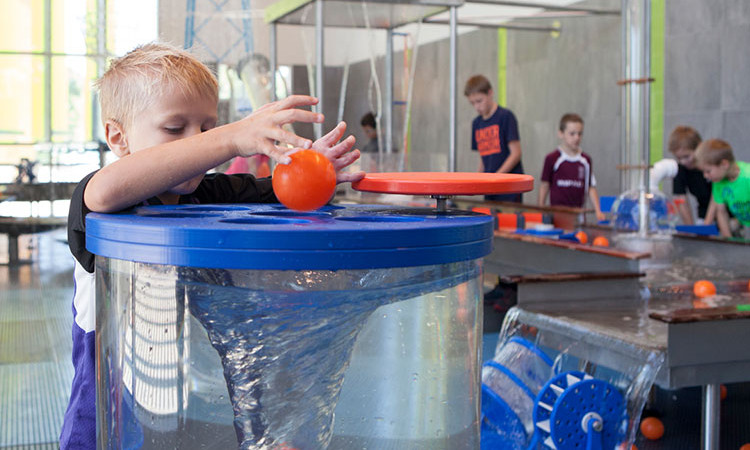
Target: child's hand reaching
(258,132)
(339,153)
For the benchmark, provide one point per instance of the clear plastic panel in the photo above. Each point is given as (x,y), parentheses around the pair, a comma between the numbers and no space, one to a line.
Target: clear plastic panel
(195,358)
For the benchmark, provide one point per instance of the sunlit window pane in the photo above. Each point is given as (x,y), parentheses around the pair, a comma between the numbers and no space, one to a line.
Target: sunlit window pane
(21,98)
(130,24)
(74,26)
(22,26)
(72,98)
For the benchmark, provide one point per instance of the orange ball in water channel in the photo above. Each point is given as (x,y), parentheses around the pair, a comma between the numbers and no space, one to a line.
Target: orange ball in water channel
(306,183)
(704,288)
(600,241)
(582,237)
(652,428)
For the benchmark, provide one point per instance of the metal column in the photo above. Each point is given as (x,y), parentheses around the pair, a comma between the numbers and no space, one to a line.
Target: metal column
(711,415)
(452,108)
(388,110)
(636,34)
(319,58)
(272,57)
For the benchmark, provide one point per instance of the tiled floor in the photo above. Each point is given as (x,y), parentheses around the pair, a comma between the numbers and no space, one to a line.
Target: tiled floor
(35,344)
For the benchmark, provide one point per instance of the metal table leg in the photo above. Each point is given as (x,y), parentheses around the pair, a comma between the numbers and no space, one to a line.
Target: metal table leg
(711,416)
(12,249)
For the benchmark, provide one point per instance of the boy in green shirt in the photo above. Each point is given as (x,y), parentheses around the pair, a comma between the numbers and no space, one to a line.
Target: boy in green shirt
(731,182)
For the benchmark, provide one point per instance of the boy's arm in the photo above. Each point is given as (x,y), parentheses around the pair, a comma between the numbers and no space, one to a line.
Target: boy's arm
(145,173)
(683,208)
(512,159)
(594,197)
(710,213)
(722,220)
(543,192)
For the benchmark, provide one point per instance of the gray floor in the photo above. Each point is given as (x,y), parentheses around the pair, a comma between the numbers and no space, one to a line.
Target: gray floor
(35,343)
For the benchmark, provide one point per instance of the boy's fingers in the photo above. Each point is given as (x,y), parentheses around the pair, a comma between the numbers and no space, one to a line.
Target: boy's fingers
(331,138)
(342,177)
(341,148)
(294,101)
(288,137)
(276,153)
(297,115)
(345,160)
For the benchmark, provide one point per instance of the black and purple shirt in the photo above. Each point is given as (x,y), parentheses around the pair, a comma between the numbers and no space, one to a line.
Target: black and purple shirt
(79,424)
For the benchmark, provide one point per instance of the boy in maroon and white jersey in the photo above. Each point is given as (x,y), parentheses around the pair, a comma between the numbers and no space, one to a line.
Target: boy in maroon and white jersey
(568,174)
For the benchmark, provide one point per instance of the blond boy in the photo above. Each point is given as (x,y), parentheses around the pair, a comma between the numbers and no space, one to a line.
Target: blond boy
(159,109)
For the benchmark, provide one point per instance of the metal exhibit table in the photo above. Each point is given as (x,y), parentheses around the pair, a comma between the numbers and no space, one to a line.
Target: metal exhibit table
(605,315)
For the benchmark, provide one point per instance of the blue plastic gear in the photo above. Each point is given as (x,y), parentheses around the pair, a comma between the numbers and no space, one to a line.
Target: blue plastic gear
(572,398)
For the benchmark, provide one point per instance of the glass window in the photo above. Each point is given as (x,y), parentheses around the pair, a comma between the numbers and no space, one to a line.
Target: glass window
(72,98)
(74,27)
(21,98)
(22,25)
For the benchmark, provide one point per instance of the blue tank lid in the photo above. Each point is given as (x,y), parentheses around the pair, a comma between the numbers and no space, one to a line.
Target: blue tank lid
(271,237)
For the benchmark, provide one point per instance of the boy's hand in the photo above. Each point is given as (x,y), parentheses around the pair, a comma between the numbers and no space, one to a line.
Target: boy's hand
(340,154)
(258,132)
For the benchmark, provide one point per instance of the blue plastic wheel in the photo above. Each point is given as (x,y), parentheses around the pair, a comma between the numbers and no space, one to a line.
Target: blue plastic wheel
(566,402)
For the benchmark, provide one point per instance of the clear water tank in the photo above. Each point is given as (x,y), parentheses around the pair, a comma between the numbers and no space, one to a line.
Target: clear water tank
(256,327)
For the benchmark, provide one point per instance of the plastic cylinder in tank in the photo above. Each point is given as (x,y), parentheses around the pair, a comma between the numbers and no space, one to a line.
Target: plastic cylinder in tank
(252,326)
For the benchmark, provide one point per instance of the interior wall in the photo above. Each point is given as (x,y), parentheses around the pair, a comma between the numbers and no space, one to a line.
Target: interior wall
(706,70)
(705,84)
(574,72)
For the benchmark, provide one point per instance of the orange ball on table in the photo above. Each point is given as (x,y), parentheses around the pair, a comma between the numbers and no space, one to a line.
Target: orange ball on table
(306,183)
(600,241)
(652,428)
(704,288)
(700,304)
(582,237)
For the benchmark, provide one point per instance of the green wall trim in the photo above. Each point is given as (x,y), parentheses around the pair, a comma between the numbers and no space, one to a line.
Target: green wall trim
(502,60)
(656,113)
(279,9)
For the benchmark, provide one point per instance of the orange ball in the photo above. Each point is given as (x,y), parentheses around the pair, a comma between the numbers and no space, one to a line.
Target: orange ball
(745,446)
(582,237)
(748,285)
(652,428)
(704,288)
(699,304)
(724,393)
(600,241)
(306,183)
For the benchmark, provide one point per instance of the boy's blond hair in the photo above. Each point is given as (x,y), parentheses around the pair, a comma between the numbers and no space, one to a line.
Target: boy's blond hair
(133,81)
(713,152)
(683,137)
(477,84)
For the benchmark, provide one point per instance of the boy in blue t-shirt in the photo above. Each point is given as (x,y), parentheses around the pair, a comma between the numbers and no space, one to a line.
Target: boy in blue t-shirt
(159,108)
(494,133)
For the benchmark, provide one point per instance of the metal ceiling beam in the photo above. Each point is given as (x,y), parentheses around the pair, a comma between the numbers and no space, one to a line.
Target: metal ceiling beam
(507,26)
(519,4)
